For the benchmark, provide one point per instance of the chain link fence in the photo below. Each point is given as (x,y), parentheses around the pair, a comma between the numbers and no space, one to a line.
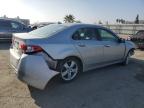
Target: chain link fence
(125,29)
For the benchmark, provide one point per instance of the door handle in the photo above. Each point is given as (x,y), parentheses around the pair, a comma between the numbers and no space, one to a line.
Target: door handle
(107,45)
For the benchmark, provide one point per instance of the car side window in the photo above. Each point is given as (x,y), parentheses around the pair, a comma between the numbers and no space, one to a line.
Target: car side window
(84,34)
(107,36)
(16,26)
(97,34)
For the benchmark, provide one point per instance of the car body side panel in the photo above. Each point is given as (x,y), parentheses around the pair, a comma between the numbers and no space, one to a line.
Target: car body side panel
(61,51)
(113,51)
(62,45)
(129,45)
(91,52)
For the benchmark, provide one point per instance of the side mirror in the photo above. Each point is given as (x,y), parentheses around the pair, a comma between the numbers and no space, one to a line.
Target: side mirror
(121,40)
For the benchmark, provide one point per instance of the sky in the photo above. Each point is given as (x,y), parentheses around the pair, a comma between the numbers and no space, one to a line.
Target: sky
(87,11)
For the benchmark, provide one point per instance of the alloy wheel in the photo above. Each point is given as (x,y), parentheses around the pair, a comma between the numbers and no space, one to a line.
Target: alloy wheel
(69,70)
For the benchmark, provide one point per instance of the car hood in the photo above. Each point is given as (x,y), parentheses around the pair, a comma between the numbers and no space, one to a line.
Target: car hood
(131,44)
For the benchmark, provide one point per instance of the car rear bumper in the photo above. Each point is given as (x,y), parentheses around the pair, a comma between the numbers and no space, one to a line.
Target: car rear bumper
(5,39)
(32,69)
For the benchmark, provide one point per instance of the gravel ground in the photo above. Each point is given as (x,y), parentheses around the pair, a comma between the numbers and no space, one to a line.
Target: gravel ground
(114,86)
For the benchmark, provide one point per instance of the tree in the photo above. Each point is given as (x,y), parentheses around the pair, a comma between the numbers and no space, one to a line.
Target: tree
(137,19)
(18,17)
(69,18)
(122,21)
(5,16)
(117,20)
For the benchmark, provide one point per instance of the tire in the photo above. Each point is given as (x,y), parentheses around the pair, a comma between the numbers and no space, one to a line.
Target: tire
(69,69)
(126,61)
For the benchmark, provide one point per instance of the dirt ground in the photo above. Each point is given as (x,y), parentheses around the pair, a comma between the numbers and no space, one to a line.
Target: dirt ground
(114,86)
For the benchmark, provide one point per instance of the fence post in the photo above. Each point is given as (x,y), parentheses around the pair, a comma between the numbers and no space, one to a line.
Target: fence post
(134,29)
(125,28)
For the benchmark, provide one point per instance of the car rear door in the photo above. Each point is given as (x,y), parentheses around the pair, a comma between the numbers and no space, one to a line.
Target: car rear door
(89,47)
(113,49)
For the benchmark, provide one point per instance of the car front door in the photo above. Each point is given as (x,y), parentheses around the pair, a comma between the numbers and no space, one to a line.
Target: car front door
(113,49)
(91,49)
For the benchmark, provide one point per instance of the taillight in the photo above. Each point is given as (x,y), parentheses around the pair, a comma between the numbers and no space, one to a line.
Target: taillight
(23,47)
(30,48)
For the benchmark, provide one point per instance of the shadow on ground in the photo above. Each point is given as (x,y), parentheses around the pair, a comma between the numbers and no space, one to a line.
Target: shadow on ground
(114,86)
(140,75)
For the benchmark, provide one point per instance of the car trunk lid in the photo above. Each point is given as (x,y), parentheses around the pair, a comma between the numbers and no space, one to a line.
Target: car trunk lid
(26,36)
(24,41)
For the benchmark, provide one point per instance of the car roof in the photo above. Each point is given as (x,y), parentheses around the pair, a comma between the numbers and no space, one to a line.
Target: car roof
(79,24)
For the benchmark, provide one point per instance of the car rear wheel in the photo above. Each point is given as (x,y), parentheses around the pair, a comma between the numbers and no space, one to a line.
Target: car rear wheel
(69,69)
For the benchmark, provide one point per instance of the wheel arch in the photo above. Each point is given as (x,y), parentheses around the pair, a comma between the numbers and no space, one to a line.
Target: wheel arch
(75,57)
(131,51)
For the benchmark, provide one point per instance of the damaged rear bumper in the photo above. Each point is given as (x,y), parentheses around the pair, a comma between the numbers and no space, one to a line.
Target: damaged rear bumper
(32,69)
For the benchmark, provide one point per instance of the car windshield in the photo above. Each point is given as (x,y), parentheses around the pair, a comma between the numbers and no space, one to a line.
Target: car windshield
(48,31)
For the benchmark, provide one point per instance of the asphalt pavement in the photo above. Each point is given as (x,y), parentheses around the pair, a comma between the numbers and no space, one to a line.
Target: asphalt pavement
(114,86)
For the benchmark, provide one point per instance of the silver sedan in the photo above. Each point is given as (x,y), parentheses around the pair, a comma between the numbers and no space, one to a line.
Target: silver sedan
(67,50)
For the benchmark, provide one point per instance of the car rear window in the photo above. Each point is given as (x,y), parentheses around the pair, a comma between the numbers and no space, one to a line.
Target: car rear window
(48,31)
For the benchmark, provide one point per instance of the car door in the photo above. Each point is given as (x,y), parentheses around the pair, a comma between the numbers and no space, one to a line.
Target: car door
(91,49)
(113,49)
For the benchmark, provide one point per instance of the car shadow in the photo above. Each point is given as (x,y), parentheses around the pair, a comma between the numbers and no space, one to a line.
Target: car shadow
(140,74)
(93,85)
